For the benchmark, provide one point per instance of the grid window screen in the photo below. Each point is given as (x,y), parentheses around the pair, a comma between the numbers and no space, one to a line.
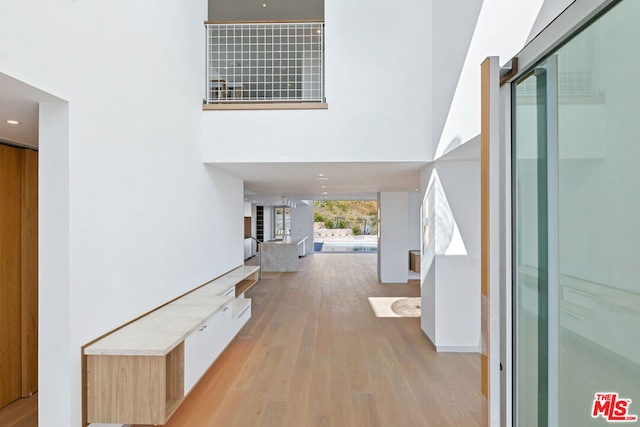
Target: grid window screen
(578,70)
(265,62)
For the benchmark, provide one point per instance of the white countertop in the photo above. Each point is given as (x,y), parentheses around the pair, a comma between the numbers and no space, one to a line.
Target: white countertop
(288,240)
(159,332)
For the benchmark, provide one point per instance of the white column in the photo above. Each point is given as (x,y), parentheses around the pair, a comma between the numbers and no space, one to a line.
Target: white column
(56,378)
(393,244)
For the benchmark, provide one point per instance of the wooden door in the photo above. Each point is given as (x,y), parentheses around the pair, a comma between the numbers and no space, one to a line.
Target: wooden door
(10,273)
(29,271)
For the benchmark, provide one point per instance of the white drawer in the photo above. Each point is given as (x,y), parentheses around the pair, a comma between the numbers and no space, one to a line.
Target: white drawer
(243,315)
(199,353)
(204,345)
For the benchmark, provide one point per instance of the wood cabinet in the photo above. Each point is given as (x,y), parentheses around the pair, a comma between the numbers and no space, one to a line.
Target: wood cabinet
(135,389)
(140,373)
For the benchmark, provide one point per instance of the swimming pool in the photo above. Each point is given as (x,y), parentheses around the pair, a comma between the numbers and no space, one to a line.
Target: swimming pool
(346,246)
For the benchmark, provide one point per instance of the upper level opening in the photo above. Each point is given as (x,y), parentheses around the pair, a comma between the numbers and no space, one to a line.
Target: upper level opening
(262,55)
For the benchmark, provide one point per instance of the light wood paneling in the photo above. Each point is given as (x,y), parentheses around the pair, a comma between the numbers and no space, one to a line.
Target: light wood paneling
(314,354)
(134,389)
(10,333)
(246,284)
(29,271)
(175,379)
(113,401)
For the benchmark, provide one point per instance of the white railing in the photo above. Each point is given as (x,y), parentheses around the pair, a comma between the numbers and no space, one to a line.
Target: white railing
(265,62)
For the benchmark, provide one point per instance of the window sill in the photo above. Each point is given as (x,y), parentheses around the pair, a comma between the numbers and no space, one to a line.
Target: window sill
(268,106)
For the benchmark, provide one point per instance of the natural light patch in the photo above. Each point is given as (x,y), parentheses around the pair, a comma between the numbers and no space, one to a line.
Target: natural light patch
(396,306)
(428,226)
(463,121)
(456,247)
(448,238)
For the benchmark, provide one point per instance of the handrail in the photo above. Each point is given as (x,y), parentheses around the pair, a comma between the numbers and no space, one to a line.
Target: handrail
(258,62)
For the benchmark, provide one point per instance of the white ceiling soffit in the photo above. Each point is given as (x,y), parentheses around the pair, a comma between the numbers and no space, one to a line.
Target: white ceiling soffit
(270,182)
(19,101)
(269,10)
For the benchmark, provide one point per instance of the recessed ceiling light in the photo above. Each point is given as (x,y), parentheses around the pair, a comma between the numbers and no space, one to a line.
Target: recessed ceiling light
(324,192)
(12,122)
(417,189)
(324,186)
(320,174)
(322,179)
(264,5)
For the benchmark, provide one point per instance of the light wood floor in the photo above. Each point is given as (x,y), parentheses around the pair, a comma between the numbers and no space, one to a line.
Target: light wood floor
(314,354)
(21,413)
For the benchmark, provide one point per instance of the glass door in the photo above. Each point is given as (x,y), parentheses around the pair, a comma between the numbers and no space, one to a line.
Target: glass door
(576,229)
(282,221)
(535,173)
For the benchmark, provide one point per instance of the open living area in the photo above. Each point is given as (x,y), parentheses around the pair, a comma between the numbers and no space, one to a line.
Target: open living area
(175,243)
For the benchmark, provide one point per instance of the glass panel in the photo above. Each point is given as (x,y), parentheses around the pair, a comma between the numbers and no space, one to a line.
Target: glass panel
(599,209)
(598,300)
(530,239)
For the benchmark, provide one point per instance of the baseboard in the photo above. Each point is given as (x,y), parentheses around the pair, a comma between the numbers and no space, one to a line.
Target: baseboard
(457,349)
(451,348)
(429,339)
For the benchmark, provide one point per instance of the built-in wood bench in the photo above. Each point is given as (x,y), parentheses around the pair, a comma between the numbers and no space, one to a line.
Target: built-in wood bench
(140,373)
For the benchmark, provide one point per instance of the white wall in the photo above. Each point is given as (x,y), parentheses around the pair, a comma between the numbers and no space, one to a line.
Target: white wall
(378,87)
(461,183)
(415,203)
(130,217)
(495,19)
(302,223)
(393,246)
(457,304)
(450,47)
(54,294)
(427,254)
(548,12)
(450,279)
